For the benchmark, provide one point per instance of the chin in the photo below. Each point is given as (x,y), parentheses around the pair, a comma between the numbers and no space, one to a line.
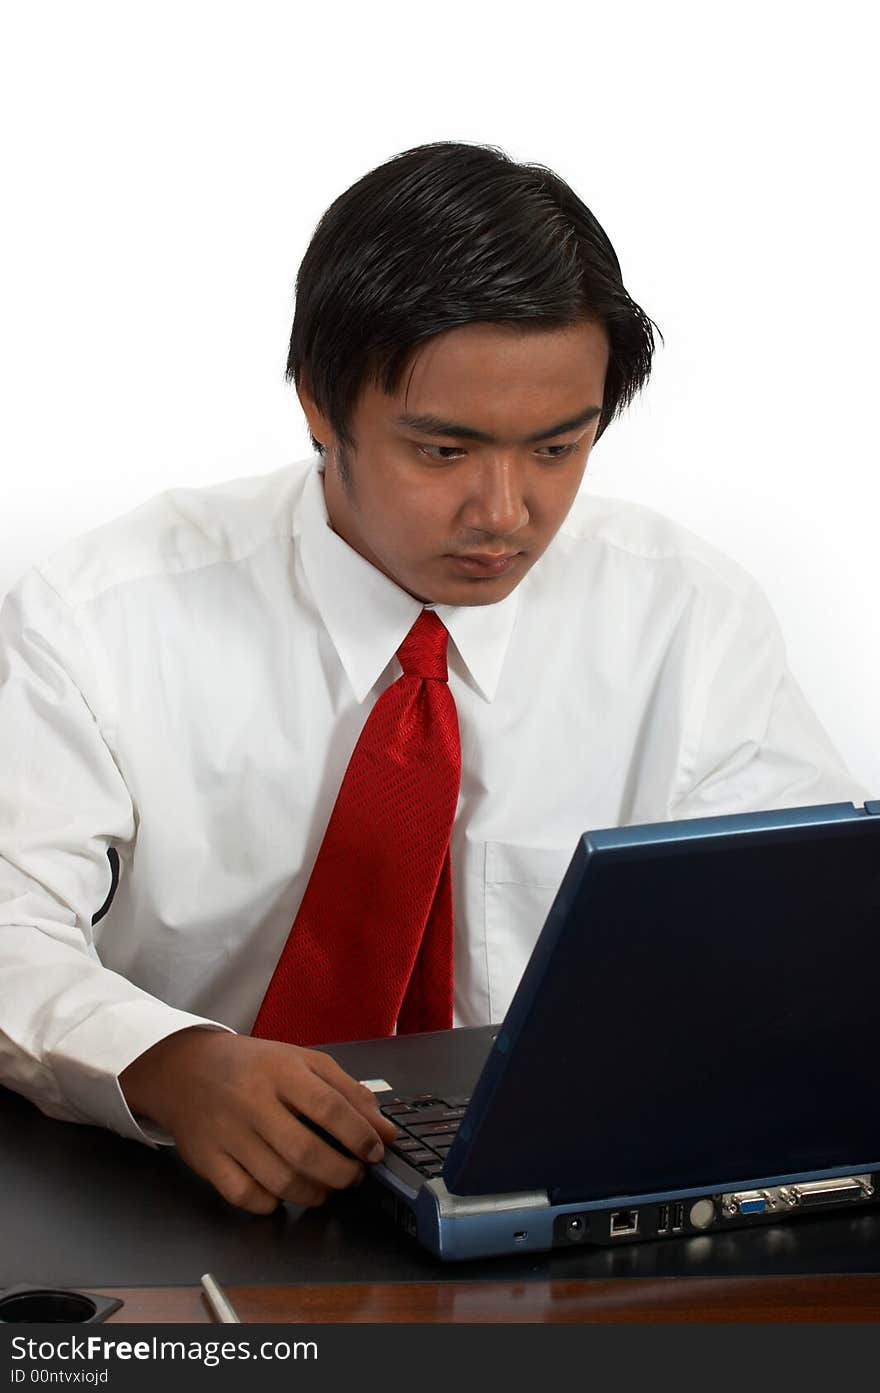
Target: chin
(471,593)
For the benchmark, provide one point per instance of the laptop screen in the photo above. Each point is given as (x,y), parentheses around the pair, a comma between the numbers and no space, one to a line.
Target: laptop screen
(702,1006)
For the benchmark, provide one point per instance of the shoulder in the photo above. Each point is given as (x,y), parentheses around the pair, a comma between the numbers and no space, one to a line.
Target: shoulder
(645,545)
(179,530)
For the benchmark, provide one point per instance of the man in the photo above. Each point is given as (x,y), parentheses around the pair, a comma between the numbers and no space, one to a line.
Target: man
(210,707)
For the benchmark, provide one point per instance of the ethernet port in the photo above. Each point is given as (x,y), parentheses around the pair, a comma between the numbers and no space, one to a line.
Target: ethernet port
(624,1221)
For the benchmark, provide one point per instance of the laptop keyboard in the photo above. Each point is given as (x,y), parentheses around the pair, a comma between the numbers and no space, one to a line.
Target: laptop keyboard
(427,1126)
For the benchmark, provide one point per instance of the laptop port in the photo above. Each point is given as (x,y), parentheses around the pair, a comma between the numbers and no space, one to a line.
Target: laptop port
(624,1221)
(749,1202)
(405,1218)
(800,1195)
(570,1228)
(848,1187)
(677,1217)
(663,1218)
(575,1228)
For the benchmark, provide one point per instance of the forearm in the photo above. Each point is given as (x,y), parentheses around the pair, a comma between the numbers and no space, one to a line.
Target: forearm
(69,1027)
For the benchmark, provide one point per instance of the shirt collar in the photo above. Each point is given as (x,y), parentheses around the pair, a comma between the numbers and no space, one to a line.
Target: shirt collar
(368,616)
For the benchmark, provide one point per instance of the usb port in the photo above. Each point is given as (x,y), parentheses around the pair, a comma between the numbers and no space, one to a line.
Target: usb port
(677,1216)
(663,1218)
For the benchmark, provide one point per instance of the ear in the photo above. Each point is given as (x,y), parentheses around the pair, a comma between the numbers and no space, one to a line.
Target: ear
(319,426)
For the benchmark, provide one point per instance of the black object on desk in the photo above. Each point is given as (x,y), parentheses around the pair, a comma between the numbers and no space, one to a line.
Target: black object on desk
(29,1305)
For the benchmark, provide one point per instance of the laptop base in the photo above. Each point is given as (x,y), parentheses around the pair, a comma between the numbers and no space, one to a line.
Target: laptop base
(458,1228)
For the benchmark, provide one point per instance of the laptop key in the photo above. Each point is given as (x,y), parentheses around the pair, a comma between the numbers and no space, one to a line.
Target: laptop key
(398,1100)
(417,1157)
(433,1129)
(405,1144)
(456,1100)
(440,1113)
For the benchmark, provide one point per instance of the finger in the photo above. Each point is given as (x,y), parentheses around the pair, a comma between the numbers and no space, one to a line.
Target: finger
(361,1098)
(283,1178)
(306,1092)
(385,1124)
(303,1152)
(237,1186)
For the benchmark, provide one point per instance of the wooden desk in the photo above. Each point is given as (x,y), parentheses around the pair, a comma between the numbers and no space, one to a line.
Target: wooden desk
(676,1299)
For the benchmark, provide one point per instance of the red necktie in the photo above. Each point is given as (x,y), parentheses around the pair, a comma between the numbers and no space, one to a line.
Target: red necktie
(371,946)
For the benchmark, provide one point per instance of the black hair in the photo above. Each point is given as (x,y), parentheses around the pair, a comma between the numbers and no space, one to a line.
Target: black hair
(448,234)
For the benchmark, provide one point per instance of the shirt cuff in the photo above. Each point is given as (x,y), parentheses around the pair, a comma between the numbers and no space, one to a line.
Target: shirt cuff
(88,1060)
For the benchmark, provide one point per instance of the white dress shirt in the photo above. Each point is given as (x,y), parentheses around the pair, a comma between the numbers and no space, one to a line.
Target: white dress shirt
(185,686)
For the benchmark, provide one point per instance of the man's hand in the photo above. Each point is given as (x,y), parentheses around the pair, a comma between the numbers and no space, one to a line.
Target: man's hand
(232,1103)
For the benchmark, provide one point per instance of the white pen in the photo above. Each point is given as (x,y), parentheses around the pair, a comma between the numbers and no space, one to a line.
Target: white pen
(218,1301)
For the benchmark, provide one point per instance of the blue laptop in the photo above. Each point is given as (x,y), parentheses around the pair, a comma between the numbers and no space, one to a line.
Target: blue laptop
(691,1048)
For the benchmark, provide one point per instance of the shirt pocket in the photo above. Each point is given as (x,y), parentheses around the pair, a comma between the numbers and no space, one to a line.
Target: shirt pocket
(520,885)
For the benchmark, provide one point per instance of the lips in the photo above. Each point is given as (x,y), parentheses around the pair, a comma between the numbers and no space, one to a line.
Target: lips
(487,558)
(485,563)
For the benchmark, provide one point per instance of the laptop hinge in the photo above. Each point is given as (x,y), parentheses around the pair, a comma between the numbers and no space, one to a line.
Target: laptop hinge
(873,807)
(457,1206)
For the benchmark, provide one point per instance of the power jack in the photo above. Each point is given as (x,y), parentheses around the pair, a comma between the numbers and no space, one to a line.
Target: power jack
(575,1228)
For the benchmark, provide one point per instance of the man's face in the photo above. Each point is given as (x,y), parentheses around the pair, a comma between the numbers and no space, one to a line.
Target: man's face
(455,519)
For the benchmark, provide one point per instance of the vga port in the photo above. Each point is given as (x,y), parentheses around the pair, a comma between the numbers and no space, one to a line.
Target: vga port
(747,1202)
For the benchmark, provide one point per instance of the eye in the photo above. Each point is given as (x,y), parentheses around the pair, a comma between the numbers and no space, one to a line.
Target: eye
(563,450)
(445,451)
(449,452)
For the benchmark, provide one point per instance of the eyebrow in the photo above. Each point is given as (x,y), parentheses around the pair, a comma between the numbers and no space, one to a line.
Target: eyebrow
(435,425)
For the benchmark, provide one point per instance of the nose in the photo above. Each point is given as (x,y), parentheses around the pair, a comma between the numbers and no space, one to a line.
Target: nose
(496,502)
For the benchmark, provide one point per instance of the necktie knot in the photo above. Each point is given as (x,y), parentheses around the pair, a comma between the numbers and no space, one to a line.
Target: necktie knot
(423,651)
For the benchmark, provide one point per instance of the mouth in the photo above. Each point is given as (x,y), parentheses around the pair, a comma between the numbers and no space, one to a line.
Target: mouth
(485,564)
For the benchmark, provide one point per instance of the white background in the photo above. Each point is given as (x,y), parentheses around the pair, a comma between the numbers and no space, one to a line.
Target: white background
(165,165)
